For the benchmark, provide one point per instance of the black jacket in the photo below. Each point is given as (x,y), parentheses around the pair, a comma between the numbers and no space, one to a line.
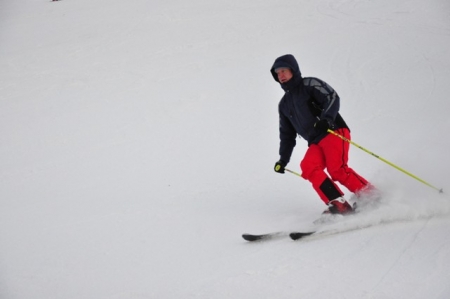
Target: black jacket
(306,100)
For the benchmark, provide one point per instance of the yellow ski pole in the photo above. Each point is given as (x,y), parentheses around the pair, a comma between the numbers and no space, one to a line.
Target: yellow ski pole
(293,172)
(385,161)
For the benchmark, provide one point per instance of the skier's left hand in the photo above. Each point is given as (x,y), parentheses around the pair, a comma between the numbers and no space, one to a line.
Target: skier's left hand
(322,125)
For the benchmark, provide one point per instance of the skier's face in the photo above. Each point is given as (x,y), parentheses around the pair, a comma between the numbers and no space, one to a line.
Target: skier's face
(284,75)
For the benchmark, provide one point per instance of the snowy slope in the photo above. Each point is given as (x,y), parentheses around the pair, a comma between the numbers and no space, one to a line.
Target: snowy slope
(138,140)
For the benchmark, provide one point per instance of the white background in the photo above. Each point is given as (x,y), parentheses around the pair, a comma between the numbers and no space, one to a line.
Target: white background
(138,140)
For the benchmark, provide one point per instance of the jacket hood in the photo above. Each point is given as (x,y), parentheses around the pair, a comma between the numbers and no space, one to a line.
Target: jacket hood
(288,61)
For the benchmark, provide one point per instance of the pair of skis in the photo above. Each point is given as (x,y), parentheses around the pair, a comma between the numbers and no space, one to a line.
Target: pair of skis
(293,236)
(313,233)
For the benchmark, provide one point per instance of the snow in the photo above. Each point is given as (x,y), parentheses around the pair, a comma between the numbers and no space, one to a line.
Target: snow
(138,141)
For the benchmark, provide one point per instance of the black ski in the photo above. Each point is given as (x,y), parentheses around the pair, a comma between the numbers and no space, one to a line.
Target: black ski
(299,235)
(252,238)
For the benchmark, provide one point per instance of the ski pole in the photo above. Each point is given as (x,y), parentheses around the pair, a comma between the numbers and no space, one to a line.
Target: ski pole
(293,172)
(385,161)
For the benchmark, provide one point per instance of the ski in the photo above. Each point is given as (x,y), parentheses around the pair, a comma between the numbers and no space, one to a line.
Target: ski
(298,235)
(262,237)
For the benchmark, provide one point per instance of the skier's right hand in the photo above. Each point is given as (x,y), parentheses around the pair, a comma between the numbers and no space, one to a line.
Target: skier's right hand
(279,166)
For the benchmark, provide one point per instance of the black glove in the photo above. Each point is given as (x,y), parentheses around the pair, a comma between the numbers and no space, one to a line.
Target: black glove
(322,126)
(279,166)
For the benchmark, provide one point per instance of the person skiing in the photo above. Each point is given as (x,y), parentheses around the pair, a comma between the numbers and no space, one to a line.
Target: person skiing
(309,108)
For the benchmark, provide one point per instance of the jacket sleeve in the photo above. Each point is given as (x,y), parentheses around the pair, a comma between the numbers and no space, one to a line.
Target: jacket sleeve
(326,96)
(287,138)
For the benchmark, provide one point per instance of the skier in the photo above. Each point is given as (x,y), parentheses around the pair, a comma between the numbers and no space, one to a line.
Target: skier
(309,108)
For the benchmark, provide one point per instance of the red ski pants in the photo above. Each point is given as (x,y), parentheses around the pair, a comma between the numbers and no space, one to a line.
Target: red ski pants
(331,153)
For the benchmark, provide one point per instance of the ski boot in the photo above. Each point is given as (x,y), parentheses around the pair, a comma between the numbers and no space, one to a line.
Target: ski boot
(339,206)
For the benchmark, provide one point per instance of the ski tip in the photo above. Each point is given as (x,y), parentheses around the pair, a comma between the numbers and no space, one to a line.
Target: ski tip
(298,235)
(251,238)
